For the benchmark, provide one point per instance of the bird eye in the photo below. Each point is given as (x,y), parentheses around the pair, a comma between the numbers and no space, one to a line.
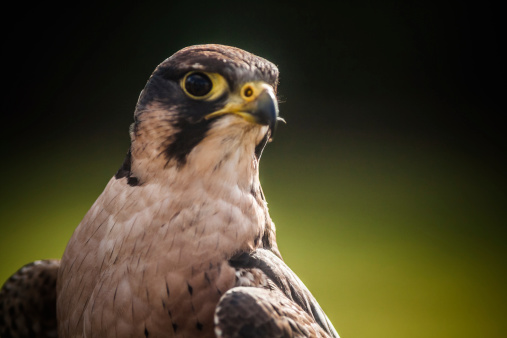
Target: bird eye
(198,84)
(204,85)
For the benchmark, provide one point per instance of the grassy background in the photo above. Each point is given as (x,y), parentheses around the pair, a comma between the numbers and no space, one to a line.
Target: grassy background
(387,185)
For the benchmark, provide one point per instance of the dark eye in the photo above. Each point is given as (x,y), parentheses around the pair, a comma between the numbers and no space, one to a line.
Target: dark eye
(198,84)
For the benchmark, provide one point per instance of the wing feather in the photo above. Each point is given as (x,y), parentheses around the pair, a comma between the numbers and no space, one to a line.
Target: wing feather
(283,305)
(28,301)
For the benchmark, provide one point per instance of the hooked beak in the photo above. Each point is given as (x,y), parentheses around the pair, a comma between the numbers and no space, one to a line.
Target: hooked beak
(256,103)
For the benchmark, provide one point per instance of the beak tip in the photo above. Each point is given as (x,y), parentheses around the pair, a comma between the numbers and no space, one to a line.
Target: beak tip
(267,110)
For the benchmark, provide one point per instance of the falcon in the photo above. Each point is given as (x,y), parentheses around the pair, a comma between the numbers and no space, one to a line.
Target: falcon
(180,243)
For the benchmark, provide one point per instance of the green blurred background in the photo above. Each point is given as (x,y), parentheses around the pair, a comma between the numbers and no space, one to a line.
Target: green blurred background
(387,185)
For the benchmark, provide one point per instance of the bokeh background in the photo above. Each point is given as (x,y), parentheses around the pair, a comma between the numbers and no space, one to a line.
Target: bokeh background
(387,184)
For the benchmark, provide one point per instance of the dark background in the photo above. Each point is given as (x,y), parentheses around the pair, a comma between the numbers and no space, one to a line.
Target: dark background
(387,184)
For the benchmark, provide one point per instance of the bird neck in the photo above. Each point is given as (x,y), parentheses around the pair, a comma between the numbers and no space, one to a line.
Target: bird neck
(216,194)
(216,186)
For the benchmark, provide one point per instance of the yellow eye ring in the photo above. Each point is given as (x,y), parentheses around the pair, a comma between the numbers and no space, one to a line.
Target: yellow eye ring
(203,85)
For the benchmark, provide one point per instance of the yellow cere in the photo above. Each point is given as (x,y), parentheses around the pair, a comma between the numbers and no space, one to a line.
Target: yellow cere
(239,105)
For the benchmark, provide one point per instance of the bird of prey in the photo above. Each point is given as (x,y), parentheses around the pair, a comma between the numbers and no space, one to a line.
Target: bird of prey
(180,243)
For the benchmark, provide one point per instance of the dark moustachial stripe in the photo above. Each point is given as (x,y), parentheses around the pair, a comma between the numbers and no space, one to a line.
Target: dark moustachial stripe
(188,136)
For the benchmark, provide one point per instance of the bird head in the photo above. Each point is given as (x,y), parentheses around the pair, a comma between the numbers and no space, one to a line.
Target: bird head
(203,105)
